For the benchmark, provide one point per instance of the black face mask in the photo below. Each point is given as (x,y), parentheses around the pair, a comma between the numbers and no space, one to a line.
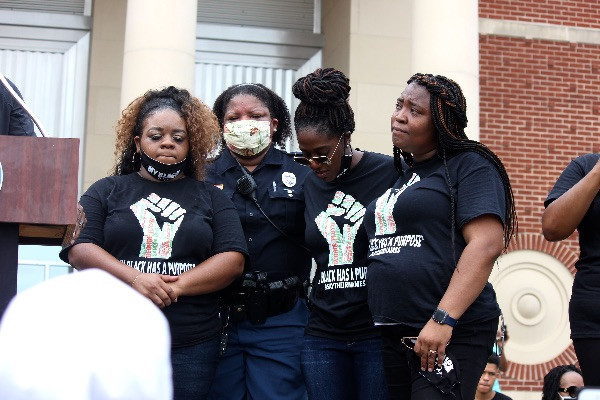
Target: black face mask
(162,171)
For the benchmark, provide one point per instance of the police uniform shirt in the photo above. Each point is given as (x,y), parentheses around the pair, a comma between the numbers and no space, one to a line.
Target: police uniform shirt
(279,193)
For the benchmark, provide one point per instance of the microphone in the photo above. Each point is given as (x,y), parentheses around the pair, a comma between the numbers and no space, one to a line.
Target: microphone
(247,186)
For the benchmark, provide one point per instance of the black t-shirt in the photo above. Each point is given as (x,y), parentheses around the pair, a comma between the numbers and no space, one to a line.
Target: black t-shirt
(280,194)
(589,234)
(338,242)
(165,228)
(410,245)
(584,314)
(500,396)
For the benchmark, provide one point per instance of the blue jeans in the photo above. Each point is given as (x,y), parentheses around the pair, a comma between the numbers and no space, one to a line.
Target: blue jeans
(194,369)
(262,361)
(470,346)
(342,370)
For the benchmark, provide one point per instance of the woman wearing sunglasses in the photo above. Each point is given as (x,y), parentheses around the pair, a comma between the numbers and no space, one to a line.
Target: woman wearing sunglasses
(562,383)
(341,357)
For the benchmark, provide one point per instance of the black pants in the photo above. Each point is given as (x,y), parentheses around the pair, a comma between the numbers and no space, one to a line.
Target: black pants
(9,245)
(587,351)
(470,346)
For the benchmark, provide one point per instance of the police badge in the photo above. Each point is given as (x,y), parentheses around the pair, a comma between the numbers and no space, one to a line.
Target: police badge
(288,179)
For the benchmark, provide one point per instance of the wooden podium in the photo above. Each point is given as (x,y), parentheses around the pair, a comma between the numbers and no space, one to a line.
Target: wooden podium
(39,188)
(38,198)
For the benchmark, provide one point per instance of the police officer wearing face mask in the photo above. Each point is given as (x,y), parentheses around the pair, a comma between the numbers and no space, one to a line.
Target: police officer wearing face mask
(266,310)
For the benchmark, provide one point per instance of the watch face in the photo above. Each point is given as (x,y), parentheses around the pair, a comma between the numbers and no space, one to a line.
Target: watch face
(439,316)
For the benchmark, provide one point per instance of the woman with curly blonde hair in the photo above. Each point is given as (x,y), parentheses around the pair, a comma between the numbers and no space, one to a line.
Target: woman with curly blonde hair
(173,238)
(203,132)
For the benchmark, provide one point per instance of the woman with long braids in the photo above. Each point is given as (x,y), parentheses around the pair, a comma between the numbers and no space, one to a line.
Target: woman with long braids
(562,382)
(173,238)
(433,240)
(341,356)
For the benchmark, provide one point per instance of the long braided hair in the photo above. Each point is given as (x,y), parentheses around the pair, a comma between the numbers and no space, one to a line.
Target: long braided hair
(552,381)
(324,106)
(449,113)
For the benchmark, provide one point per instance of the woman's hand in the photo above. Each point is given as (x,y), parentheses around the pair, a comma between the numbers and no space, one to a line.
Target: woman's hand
(432,342)
(211,275)
(156,287)
(483,236)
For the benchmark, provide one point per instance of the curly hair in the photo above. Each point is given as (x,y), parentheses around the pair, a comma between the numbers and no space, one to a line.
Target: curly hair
(274,103)
(201,124)
(324,106)
(552,380)
(449,112)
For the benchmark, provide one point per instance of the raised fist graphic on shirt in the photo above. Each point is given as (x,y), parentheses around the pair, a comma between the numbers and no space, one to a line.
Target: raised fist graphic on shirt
(160,219)
(384,208)
(341,241)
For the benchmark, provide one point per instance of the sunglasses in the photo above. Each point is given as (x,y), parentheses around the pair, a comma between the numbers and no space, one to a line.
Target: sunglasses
(409,342)
(572,390)
(301,159)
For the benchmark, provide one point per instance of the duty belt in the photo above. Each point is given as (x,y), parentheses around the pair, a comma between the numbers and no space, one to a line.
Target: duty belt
(256,298)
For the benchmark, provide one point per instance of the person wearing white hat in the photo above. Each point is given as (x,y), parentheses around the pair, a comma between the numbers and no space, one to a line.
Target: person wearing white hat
(85,336)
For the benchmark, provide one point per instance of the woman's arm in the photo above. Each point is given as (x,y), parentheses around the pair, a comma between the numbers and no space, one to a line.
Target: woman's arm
(563,215)
(214,274)
(484,238)
(153,286)
(228,247)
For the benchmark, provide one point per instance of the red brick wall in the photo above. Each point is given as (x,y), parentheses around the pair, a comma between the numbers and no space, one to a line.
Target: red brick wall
(539,108)
(580,13)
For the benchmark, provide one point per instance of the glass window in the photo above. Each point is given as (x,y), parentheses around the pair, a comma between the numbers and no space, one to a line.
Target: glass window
(38,264)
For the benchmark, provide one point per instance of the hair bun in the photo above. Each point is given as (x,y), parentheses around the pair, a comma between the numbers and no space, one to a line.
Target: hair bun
(324,87)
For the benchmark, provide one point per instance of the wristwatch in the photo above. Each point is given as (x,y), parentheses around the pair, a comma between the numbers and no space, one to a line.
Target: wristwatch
(441,317)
